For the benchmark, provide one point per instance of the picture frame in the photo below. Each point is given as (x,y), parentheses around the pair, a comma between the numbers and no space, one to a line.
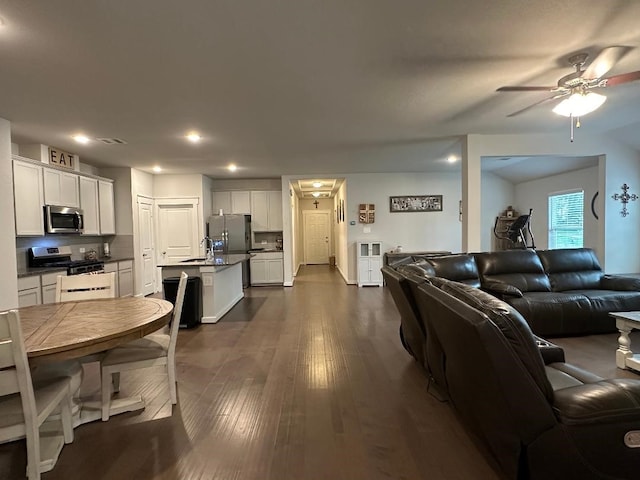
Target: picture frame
(415,203)
(342,210)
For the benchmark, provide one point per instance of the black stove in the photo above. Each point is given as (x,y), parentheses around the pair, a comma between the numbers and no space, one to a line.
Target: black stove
(50,257)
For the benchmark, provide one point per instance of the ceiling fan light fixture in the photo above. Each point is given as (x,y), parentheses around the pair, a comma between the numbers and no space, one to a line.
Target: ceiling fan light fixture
(579,104)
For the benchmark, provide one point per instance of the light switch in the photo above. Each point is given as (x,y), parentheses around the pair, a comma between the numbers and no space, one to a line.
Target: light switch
(366,229)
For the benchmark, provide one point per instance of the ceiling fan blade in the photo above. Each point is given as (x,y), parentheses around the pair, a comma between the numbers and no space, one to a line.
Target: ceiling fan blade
(526,89)
(536,104)
(623,78)
(604,62)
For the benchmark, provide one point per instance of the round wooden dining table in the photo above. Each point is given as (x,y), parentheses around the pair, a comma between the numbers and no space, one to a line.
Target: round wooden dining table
(67,330)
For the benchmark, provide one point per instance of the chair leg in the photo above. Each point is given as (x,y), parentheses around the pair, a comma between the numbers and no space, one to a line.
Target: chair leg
(106,394)
(66,418)
(33,453)
(116,381)
(171,373)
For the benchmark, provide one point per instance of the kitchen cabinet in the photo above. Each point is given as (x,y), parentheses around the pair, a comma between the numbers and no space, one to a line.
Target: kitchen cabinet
(29,291)
(369,263)
(267,268)
(90,205)
(125,278)
(236,202)
(61,188)
(28,192)
(266,211)
(106,208)
(49,281)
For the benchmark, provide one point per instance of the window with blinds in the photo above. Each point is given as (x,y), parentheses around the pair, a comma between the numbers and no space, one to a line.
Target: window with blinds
(566,214)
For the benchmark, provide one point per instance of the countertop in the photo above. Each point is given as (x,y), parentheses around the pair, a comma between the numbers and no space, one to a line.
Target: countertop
(217,261)
(265,250)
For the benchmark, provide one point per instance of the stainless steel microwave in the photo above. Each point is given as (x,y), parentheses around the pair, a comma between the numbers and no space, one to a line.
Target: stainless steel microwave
(59,219)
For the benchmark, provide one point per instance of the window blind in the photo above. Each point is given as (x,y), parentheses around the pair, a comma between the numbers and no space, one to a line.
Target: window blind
(566,215)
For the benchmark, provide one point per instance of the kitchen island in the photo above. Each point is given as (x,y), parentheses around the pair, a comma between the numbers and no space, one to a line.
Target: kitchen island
(221,281)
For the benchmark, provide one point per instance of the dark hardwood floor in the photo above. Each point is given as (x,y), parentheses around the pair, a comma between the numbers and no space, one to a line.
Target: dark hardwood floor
(308,382)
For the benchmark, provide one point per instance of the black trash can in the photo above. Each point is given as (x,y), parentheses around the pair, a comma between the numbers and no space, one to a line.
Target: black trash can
(192,305)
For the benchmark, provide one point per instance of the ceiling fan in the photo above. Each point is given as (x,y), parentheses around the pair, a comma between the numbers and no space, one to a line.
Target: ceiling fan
(577,86)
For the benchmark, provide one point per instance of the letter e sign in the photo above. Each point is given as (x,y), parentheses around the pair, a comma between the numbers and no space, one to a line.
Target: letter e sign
(61,158)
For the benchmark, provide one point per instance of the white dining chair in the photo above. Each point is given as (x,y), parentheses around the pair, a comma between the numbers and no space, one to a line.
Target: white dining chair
(24,405)
(152,350)
(85,287)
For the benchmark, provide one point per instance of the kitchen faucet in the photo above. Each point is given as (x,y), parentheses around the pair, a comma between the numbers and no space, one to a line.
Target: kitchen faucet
(208,244)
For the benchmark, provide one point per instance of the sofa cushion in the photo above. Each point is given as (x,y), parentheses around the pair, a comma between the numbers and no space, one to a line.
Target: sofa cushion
(420,268)
(554,313)
(459,268)
(509,321)
(520,268)
(571,268)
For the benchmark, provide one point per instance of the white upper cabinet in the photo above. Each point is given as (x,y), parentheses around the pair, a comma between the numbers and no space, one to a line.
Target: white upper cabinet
(89,205)
(106,208)
(266,211)
(61,188)
(237,202)
(28,194)
(221,201)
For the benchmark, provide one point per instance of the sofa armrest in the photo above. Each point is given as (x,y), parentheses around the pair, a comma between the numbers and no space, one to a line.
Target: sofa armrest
(606,401)
(500,289)
(550,352)
(619,282)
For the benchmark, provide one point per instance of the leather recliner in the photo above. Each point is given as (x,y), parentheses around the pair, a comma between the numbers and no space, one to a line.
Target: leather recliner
(538,421)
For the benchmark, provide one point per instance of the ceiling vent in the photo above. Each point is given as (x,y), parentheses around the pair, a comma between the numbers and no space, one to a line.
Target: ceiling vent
(111,141)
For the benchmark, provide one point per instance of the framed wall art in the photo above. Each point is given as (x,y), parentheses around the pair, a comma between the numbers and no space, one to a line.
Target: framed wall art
(367,213)
(415,203)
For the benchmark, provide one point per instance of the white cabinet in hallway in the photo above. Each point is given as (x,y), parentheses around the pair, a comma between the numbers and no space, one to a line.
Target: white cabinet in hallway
(28,194)
(61,188)
(369,263)
(266,211)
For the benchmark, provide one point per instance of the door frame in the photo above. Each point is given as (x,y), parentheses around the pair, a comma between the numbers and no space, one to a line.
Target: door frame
(138,253)
(304,231)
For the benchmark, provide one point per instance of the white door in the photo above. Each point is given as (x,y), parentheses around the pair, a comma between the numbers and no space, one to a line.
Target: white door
(316,236)
(145,233)
(177,229)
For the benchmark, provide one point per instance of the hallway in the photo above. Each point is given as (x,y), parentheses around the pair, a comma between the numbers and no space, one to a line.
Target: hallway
(308,382)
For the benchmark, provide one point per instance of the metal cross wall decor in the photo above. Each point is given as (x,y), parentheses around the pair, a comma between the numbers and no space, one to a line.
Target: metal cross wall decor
(624,198)
(316,203)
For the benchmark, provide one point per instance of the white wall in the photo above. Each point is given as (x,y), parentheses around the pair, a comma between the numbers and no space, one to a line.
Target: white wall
(497,195)
(618,164)
(9,277)
(246,184)
(341,235)
(414,231)
(534,194)
(176,186)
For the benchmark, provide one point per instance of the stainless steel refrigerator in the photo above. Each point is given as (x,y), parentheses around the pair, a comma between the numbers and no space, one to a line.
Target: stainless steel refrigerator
(231,234)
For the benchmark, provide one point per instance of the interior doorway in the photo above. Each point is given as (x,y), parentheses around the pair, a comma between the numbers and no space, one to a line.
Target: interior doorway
(177,222)
(146,245)
(317,236)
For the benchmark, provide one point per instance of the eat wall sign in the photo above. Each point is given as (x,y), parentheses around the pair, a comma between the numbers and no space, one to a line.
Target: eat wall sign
(61,158)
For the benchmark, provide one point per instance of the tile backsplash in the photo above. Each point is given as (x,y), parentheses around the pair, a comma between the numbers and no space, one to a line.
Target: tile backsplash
(120,245)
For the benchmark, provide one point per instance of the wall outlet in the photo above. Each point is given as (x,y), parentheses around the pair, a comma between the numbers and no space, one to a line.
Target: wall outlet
(82,249)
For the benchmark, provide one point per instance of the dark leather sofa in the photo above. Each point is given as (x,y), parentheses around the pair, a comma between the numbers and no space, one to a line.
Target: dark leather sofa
(558,292)
(538,419)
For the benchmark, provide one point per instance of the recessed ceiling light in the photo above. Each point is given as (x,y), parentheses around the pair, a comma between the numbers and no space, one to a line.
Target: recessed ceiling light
(157,169)
(81,138)
(232,167)
(316,194)
(193,137)
(317,184)
(452,159)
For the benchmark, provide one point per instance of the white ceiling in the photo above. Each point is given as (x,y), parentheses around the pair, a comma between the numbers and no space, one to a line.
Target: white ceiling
(300,86)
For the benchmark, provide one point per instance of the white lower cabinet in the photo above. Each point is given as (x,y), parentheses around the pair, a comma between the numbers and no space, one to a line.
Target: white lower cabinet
(49,281)
(267,268)
(29,291)
(124,276)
